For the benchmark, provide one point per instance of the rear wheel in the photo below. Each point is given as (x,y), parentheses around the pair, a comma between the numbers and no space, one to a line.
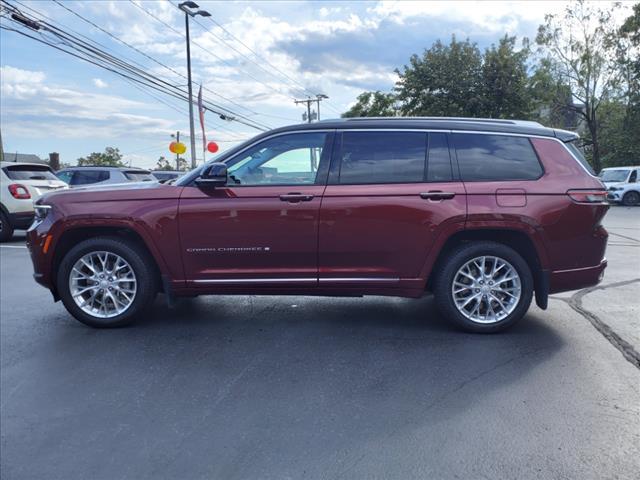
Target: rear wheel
(106,281)
(484,287)
(631,199)
(6,230)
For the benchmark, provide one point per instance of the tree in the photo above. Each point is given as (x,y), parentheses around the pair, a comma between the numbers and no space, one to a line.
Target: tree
(505,80)
(373,104)
(111,157)
(578,44)
(164,164)
(551,101)
(444,81)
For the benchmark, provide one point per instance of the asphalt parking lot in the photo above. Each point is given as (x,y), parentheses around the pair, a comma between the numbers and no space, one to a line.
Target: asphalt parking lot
(300,387)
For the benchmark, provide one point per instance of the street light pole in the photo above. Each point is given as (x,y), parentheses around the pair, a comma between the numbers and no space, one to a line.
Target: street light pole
(185,7)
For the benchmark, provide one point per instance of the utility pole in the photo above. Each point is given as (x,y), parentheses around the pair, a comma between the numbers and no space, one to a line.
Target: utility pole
(309,101)
(185,7)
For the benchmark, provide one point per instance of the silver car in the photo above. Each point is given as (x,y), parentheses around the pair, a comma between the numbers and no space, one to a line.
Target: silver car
(80,176)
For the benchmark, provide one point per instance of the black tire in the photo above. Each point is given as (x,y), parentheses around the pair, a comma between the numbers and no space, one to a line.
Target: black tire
(631,199)
(6,230)
(463,254)
(138,259)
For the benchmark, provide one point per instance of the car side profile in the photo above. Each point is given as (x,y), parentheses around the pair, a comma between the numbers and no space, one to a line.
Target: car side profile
(485,214)
(88,175)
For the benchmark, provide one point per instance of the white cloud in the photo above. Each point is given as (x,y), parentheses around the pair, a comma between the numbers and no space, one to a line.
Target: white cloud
(100,83)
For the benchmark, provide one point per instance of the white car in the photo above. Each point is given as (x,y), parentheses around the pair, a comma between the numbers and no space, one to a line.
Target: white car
(21,184)
(623,185)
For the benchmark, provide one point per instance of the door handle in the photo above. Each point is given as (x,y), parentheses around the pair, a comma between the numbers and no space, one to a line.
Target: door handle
(295,197)
(437,195)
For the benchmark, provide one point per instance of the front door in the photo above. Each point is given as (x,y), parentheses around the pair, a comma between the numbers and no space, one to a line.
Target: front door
(262,227)
(390,194)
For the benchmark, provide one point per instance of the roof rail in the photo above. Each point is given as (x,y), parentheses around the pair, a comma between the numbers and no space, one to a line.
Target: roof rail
(497,121)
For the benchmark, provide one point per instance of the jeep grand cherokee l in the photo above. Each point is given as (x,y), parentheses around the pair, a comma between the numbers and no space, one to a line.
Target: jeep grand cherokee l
(483,213)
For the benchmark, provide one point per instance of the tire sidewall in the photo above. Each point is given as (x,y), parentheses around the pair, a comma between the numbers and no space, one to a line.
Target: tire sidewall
(626,200)
(145,284)
(7,230)
(460,256)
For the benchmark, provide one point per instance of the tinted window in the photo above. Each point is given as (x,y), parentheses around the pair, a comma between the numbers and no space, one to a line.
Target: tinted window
(65,176)
(86,177)
(438,162)
(382,157)
(633,177)
(137,176)
(495,157)
(284,160)
(29,172)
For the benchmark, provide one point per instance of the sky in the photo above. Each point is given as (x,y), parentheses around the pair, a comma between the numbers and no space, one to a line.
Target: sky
(253,58)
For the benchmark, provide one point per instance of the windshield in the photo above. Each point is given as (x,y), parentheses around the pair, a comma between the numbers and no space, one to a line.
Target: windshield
(614,175)
(136,176)
(29,172)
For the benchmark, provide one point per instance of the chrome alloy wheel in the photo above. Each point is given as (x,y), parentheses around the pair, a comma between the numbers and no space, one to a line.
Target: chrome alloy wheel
(486,289)
(102,284)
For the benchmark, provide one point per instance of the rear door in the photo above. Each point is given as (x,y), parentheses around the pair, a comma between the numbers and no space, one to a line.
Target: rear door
(390,194)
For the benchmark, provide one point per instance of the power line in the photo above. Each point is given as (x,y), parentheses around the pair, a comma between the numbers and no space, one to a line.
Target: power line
(209,52)
(80,49)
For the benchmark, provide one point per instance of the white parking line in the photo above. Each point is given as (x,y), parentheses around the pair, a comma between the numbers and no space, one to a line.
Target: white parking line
(13,246)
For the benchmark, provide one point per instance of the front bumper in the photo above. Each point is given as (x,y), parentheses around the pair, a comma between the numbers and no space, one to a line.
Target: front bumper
(575,279)
(614,197)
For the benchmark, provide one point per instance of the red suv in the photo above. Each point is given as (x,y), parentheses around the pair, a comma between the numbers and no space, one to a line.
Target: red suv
(483,213)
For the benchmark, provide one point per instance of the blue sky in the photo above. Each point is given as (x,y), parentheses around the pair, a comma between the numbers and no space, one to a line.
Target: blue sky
(53,102)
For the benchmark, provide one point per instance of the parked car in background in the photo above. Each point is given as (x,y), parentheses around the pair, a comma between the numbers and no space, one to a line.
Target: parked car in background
(20,185)
(80,176)
(166,175)
(483,213)
(622,184)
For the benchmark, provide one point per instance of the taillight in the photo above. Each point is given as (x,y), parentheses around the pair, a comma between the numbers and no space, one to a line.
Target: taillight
(19,191)
(588,196)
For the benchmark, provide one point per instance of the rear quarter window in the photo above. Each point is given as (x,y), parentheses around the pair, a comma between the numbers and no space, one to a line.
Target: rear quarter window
(137,176)
(484,157)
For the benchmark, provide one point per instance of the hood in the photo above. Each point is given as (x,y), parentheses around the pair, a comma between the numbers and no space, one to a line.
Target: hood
(609,185)
(112,193)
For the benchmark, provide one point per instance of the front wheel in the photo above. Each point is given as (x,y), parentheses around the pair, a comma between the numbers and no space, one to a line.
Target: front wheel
(106,281)
(631,199)
(484,287)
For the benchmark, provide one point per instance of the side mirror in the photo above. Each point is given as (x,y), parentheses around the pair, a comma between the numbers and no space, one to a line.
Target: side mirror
(214,175)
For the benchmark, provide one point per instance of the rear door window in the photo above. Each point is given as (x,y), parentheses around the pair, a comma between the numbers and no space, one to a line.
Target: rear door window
(87,177)
(29,172)
(382,157)
(484,157)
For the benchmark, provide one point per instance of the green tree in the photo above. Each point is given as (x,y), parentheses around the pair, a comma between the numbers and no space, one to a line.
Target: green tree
(164,164)
(445,81)
(111,157)
(505,80)
(550,99)
(373,104)
(578,44)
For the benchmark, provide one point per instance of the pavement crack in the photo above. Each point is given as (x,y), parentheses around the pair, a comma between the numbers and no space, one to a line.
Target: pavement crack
(575,302)
(624,236)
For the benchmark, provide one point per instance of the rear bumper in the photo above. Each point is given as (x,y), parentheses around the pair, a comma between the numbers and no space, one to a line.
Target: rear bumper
(575,279)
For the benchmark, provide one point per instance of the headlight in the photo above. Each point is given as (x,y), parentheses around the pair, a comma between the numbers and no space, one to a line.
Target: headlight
(41,212)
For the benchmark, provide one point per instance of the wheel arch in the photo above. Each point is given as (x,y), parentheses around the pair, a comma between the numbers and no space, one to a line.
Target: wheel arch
(518,240)
(72,236)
